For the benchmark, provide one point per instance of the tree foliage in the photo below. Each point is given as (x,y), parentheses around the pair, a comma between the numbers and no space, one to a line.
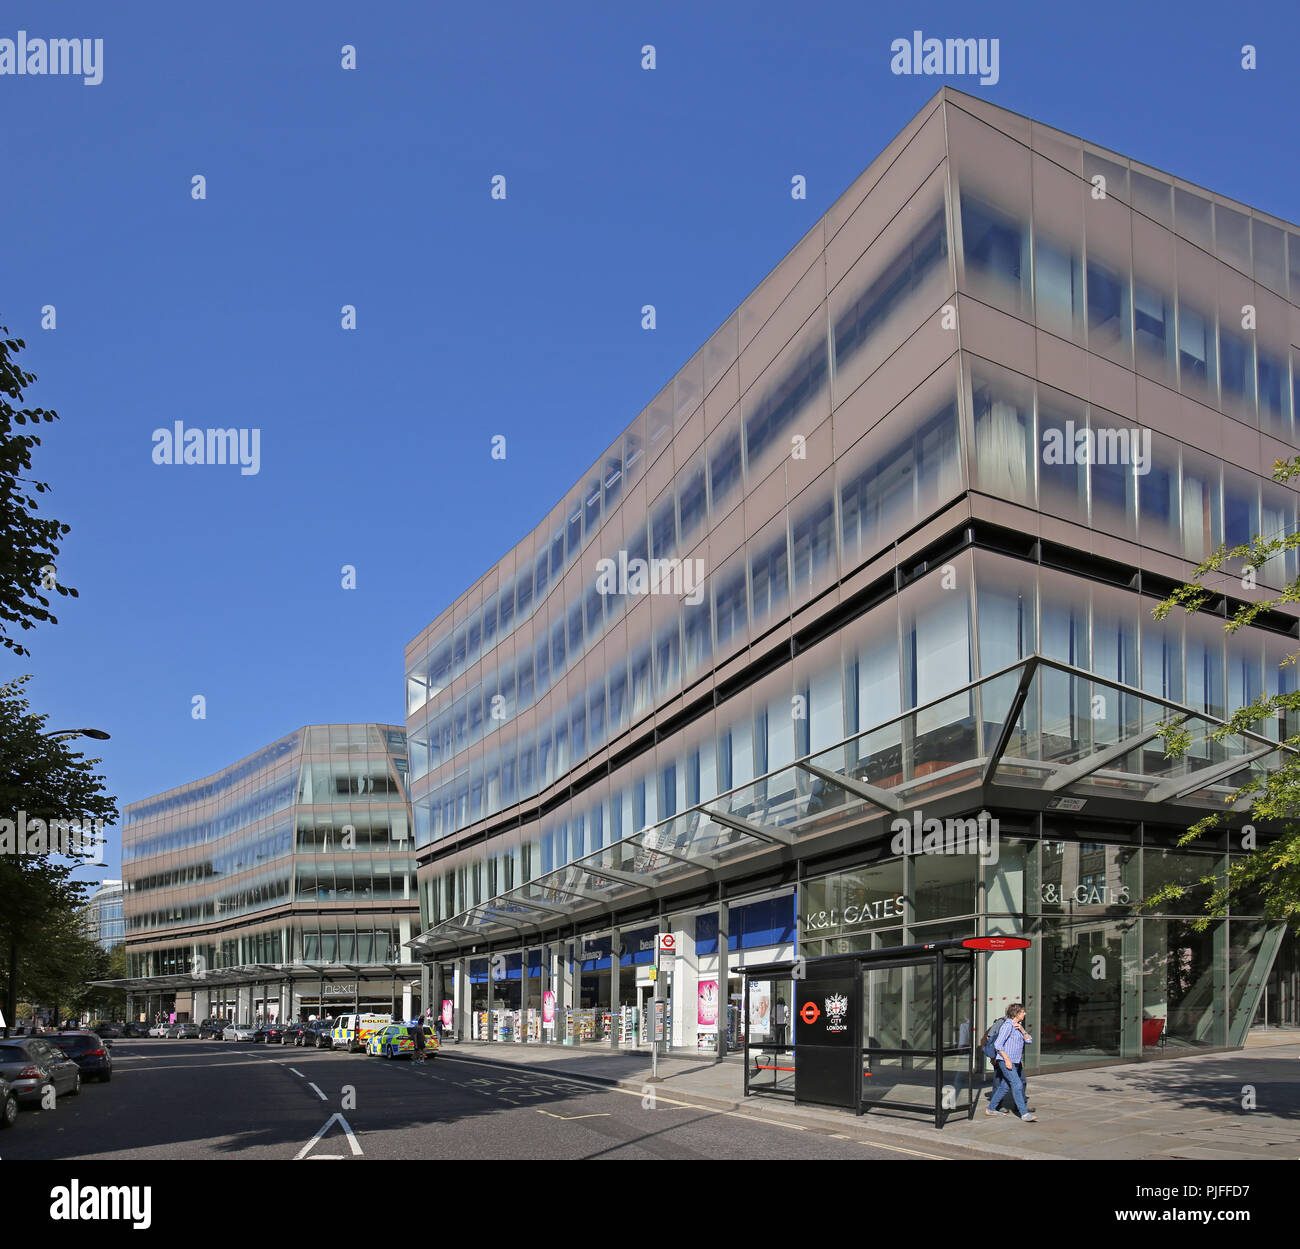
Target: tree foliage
(1271,869)
(29,544)
(43,778)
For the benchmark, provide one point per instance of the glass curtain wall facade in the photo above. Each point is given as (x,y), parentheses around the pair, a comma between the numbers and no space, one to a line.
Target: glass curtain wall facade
(103,914)
(299,854)
(994,404)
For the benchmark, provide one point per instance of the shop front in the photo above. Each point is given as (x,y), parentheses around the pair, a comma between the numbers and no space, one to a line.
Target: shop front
(599,987)
(1103,980)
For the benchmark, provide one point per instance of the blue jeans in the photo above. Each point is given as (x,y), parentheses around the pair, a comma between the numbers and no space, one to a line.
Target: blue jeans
(1011,1082)
(998,1072)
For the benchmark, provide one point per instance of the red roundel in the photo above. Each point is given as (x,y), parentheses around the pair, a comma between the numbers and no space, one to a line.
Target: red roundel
(810,1014)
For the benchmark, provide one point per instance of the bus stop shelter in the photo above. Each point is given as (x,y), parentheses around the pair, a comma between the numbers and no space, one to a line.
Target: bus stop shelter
(891,1028)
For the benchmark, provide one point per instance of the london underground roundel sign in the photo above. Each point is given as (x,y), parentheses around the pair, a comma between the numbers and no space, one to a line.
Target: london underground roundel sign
(997,943)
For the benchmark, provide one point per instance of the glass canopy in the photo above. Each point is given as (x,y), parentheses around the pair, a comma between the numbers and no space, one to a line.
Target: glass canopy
(1038,724)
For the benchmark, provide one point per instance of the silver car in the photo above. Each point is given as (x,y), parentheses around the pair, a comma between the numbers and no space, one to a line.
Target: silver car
(239,1032)
(31,1065)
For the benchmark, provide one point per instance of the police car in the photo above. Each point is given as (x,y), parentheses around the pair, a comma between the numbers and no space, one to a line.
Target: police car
(353,1032)
(397,1039)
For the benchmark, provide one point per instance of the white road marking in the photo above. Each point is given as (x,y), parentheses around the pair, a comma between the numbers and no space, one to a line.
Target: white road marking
(319,1094)
(352,1140)
(298,1073)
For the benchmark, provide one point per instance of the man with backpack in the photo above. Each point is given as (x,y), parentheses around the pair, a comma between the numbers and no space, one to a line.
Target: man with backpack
(1009,1047)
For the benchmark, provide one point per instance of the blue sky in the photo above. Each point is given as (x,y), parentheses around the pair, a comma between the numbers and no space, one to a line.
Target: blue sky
(475,317)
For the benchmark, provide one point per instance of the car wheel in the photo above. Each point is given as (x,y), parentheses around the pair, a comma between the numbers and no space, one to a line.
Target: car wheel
(9,1112)
(388,1051)
(76,1085)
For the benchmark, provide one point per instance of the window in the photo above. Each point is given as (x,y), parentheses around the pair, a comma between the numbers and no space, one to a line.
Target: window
(667,659)
(1058,283)
(991,242)
(812,544)
(573,533)
(617,699)
(724,467)
(1274,391)
(1152,320)
(613,480)
(778,409)
(693,503)
(769,572)
(696,633)
(1236,368)
(1107,305)
(663,529)
(730,608)
(1195,346)
(870,310)
(592,514)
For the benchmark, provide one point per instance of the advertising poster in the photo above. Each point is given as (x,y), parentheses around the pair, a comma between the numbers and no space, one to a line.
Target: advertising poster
(548,1008)
(707,1012)
(446,1012)
(760,1008)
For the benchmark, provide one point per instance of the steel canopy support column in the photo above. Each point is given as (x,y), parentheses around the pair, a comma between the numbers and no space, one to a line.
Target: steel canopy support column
(938,1039)
(724,952)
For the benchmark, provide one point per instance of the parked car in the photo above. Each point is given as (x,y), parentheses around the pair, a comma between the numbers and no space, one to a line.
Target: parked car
(134,1029)
(239,1032)
(107,1029)
(275,1032)
(8,1104)
(31,1065)
(158,1029)
(293,1032)
(188,1031)
(322,1035)
(211,1029)
(173,1031)
(89,1051)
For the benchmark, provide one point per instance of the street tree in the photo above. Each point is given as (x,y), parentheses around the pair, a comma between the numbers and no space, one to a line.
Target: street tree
(1267,869)
(41,777)
(29,544)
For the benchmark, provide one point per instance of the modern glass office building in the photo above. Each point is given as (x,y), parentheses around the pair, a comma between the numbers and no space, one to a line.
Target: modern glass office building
(103,914)
(280,887)
(918,495)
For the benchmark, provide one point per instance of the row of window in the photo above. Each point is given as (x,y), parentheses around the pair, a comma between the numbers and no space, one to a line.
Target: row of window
(1249,244)
(194,794)
(307,944)
(1036,446)
(252,852)
(1185,502)
(703,489)
(357,778)
(274,796)
(905,480)
(909,652)
(1207,354)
